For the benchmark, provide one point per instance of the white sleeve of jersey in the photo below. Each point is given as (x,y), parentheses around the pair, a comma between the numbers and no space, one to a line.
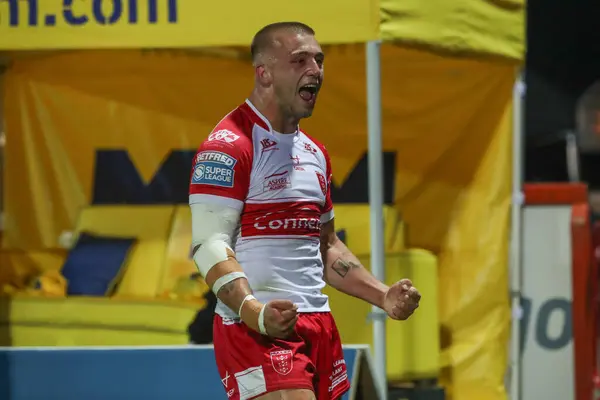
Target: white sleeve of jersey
(212,221)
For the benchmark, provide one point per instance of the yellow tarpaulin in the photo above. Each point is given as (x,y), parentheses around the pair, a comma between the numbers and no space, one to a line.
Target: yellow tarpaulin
(99,24)
(458,26)
(447,121)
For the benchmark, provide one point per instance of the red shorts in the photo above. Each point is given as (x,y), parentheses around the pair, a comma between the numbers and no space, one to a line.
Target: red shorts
(251,364)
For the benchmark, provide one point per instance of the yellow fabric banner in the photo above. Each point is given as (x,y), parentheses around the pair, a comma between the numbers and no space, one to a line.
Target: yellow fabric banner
(496,28)
(119,127)
(97,24)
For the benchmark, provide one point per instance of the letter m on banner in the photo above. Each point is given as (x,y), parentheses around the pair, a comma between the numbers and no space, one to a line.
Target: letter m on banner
(117,180)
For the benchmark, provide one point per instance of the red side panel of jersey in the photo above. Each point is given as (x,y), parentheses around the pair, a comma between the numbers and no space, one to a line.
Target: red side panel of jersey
(223,162)
(328,206)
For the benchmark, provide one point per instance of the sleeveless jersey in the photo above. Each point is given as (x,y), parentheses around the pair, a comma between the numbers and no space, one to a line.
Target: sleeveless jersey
(281,184)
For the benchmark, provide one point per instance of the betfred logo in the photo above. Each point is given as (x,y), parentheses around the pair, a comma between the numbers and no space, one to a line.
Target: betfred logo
(214,168)
(216,156)
(223,135)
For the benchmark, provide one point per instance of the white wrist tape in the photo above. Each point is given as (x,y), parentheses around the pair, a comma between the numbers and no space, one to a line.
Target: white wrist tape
(225,279)
(211,253)
(261,321)
(248,297)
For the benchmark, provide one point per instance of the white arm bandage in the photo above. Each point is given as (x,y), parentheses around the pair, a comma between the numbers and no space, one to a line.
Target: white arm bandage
(213,228)
(248,297)
(261,322)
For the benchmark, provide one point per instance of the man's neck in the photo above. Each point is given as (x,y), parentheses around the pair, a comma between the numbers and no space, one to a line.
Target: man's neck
(270,110)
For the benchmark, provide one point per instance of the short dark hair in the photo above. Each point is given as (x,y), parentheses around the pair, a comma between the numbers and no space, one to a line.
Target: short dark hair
(263,37)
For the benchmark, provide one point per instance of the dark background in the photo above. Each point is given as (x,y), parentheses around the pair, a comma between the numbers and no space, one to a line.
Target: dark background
(562,61)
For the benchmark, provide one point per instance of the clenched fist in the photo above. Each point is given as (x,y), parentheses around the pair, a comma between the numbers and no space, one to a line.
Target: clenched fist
(280,318)
(401,300)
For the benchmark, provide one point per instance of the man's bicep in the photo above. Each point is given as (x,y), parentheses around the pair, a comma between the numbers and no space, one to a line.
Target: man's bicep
(213,234)
(211,220)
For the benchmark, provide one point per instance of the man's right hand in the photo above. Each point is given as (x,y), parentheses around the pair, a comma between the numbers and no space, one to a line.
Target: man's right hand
(280,318)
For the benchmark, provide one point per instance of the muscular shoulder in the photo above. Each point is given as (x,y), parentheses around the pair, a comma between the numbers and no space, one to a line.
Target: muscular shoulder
(222,166)
(233,134)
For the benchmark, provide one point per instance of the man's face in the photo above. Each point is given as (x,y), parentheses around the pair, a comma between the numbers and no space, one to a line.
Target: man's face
(297,73)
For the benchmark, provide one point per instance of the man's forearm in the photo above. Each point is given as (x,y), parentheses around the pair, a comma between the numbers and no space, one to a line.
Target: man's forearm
(232,294)
(344,272)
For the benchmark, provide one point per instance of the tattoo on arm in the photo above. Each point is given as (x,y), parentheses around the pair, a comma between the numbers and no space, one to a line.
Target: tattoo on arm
(342,267)
(227,288)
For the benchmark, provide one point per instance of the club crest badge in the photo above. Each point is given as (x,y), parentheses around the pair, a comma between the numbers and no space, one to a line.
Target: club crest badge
(282,361)
(322,183)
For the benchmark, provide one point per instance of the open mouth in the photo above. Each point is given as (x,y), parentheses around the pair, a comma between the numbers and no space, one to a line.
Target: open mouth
(309,92)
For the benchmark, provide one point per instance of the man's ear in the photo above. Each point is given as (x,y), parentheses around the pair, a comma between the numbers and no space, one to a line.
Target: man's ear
(264,75)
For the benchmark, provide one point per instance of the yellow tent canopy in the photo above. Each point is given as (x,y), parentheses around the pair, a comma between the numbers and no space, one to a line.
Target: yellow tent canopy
(33,25)
(474,27)
(457,27)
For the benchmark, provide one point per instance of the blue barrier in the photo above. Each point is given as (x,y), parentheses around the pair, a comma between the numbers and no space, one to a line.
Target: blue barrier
(115,373)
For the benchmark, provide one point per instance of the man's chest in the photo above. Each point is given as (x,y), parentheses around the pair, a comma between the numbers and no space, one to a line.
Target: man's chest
(288,172)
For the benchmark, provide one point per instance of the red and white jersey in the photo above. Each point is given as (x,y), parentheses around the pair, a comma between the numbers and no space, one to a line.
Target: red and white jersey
(281,184)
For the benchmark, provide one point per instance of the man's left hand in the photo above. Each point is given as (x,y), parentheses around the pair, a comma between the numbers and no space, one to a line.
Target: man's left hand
(401,300)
